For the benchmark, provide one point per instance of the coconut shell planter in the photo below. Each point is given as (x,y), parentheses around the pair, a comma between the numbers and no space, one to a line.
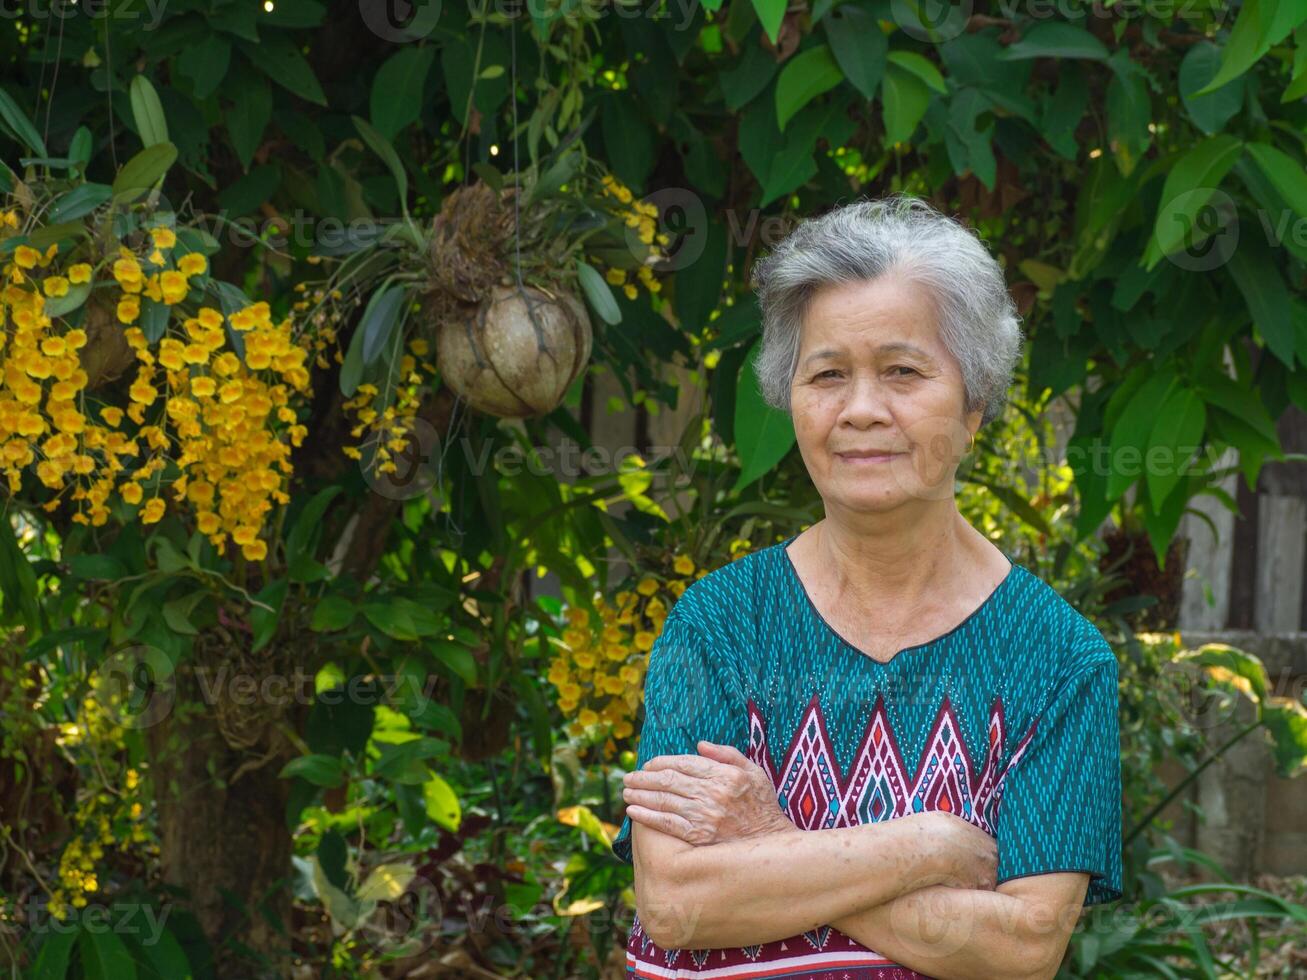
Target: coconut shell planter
(516,354)
(502,283)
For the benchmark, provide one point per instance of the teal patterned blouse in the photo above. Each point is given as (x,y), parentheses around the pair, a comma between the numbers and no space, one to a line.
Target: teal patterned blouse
(1009,720)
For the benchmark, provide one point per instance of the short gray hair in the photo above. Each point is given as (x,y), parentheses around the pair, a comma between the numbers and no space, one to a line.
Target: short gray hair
(867,239)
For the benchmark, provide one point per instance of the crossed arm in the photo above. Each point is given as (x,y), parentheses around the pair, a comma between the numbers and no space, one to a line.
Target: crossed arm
(717,868)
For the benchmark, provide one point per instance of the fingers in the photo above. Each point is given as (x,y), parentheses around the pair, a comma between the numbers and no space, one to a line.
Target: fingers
(691,765)
(671,781)
(724,753)
(656,800)
(668,823)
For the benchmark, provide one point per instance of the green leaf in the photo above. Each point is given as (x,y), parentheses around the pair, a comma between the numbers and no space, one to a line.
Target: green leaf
(162,958)
(749,77)
(18,592)
(1298,84)
(1133,430)
(205,63)
(71,300)
(44,237)
(263,622)
(382,148)
(397,89)
(1190,184)
(457,658)
(332,613)
(320,770)
(79,202)
(771,13)
(1129,113)
(405,763)
(1286,720)
(442,803)
(104,957)
(177,613)
(904,99)
(413,619)
(558,174)
(391,618)
(1016,503)
(308,525)
(1056,39)
(20,125)
(408,801)
(1287,175)
(918,65)
(247,193)
(859,45)
(763,435)
(1230,667)
(79,149)
(96,567)
(598,293)
(280,59)
(143,171)
(1177,432)
(154,319)
(148,112)
(386,307)
(804,77)
(351,368)
(1219,389)
(248,118)
(342,909)
(52,958)
(386,883)
(1254,269)
(1261,23)
(1209,112)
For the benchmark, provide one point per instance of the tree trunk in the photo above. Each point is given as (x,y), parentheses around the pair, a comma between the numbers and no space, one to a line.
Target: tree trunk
(222,807)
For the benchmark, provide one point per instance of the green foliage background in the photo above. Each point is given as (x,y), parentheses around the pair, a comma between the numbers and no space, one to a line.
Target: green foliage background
(1139,171)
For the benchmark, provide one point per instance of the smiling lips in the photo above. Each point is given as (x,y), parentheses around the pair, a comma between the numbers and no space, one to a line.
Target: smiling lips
(867,456)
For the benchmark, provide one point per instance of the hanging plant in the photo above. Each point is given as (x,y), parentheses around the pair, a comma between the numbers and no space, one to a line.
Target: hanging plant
(493,285)
(126,368)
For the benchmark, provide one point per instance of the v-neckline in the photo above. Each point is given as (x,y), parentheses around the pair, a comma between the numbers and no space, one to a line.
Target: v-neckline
(970,618)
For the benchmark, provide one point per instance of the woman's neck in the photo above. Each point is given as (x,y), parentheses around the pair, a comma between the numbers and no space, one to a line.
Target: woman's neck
(889,561)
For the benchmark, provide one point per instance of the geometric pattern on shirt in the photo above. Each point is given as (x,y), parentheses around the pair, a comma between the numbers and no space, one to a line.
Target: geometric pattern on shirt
(816,796)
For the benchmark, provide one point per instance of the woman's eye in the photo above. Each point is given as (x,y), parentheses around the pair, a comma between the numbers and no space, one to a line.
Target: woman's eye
(823,374)
(904,367)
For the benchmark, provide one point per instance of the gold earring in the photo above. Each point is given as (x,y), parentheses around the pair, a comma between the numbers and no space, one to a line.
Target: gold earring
(973,443)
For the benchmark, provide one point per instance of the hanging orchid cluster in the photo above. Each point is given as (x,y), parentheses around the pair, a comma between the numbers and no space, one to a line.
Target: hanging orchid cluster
(459,287)
(210,411)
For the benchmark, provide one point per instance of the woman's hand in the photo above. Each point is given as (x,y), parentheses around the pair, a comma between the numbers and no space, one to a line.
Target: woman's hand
(711,798)
(969,855)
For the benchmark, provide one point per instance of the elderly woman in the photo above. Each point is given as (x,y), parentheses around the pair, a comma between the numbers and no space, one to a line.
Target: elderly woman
(880,748)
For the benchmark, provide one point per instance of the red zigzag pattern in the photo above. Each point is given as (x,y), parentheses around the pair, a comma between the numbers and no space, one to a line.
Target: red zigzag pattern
(816,796)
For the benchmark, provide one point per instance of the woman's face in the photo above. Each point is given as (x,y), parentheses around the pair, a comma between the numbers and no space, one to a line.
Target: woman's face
(874,377)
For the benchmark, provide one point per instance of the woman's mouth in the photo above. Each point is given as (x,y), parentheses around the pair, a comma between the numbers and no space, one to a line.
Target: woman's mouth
(863,459)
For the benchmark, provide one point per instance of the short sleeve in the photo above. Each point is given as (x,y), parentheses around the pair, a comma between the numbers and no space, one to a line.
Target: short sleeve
(690,693)
(1060,808)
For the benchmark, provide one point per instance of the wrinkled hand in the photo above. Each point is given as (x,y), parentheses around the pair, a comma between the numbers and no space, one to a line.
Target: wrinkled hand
(710,798)
(970,855)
